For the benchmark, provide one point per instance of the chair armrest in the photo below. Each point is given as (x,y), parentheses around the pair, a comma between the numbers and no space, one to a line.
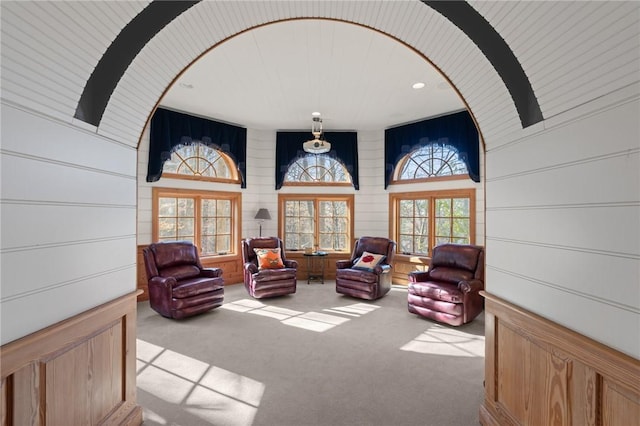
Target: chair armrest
(250,267)
(343,264)
(162,282)
(418,276)
(211,272)
(382,269)
(471,286)
(290,263)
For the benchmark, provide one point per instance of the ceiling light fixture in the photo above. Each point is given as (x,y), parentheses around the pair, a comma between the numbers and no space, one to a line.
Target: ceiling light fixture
(316,145)
(418,85)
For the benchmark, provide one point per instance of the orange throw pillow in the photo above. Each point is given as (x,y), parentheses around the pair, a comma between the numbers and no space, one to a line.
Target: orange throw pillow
(269,258)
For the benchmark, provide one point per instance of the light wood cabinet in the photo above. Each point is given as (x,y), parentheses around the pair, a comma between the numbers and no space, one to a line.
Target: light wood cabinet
(540,373)
(81,371)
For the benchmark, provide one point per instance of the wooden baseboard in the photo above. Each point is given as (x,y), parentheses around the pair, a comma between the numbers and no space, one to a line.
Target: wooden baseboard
(81,371)
(540,373)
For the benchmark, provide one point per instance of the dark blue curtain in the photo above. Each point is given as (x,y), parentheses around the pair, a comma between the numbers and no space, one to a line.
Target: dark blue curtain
(457,130)
(344,148)
(170,130)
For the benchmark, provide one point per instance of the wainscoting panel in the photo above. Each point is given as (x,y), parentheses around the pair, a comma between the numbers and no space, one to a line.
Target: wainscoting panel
(404,264)
(328,260)
(80,371)
(540,373)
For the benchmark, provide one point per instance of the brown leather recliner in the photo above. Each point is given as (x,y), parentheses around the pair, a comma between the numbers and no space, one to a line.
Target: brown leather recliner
(261,283)
(179,286)
(449,291)
(365,284)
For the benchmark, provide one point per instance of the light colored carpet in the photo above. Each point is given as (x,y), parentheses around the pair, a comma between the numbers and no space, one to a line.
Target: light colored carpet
(313,358)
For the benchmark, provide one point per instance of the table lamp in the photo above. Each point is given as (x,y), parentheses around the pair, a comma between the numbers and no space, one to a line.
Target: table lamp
(261,216)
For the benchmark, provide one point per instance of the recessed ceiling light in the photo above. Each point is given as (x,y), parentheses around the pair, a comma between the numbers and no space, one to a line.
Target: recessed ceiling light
(315,114)
(186,85)
(418,85)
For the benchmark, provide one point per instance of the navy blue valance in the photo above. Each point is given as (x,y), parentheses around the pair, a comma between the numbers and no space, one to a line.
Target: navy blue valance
(457,130)
(344,148)
(171,130)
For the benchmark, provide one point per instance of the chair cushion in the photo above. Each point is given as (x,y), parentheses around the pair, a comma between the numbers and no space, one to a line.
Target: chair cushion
(437,291)
(458,256)
(450,275)
(174,253)
(356,275)
(274,275)
(196,286)
(368,261)
(181,272)
(269,258)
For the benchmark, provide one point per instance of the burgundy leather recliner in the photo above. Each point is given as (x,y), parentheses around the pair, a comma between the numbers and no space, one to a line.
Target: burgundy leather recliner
(449,291)
(262,283)
(363,284)
(179,286)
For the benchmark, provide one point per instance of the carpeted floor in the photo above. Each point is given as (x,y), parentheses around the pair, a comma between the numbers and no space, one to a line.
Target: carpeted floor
(312,358)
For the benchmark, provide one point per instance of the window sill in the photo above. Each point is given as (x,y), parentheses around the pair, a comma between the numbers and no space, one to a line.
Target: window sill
(421,259)
(218,257)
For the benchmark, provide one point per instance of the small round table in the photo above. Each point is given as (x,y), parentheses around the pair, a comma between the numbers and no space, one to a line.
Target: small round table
(312,274)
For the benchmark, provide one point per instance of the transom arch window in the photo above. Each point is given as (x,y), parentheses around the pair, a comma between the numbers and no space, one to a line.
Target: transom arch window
(431,161)
(317,169)
(201,162)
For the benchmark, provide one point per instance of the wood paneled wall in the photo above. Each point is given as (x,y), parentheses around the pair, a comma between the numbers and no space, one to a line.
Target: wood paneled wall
(404,264)
(81,371)
(540,373)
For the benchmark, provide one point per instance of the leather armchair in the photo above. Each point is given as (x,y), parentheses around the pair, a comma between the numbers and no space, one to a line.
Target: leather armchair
(179,286)
(262,283)
(363,284)
(449,291)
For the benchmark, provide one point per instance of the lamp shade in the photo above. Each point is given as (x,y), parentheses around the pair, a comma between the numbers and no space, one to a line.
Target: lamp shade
(263,214)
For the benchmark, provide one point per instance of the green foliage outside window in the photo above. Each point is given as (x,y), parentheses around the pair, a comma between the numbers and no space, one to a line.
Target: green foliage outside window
(206,222)
(322,224)
(425,220)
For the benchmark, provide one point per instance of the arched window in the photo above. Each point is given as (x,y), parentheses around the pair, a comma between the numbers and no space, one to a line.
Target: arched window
(433,160)
(199,161)
(317,169)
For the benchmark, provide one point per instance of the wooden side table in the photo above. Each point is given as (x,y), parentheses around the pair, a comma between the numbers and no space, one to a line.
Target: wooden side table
(312,273)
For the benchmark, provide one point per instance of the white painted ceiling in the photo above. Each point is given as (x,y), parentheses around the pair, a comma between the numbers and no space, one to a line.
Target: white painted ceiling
(275,76)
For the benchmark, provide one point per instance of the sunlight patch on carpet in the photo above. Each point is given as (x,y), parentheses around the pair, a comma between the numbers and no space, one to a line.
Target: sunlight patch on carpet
(315,321)
(312,321)
(440,340)
(308,324)
(213,394)
(329,319)
(275,312)
(338,311)
(356,308)
(244,305)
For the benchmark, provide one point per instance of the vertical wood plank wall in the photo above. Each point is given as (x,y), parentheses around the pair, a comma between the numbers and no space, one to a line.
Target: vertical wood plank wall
(540,373)
(81,371)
